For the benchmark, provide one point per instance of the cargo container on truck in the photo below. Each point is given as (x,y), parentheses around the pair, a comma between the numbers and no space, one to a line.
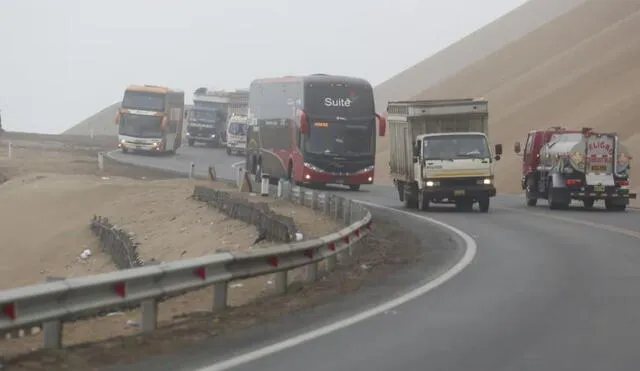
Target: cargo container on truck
(440,152)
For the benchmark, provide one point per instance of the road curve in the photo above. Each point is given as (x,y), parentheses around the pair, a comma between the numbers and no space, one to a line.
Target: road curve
(546,291)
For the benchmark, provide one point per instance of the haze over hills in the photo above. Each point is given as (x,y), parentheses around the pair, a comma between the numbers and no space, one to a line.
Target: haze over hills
(475,46)
(102,123)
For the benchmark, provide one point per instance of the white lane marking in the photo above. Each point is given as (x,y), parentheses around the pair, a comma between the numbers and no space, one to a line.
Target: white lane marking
(236,164)
(606,227)
(469,254)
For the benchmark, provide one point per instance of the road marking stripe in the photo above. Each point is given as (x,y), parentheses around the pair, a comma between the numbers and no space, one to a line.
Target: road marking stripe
(467,258)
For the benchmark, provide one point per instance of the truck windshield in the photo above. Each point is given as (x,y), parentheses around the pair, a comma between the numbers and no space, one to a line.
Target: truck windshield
(143,101)
(204,115)
(237,128)
(139,126)
(447,147)
(341,138)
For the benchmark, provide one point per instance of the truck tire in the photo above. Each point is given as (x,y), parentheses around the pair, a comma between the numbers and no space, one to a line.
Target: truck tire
(229,151)
(555,205)
(484,204)
(423,203)
(191,142)
(410,199)
(531,199)
(354,187)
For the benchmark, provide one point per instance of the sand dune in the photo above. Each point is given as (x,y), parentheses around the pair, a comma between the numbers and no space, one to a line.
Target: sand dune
(581,69)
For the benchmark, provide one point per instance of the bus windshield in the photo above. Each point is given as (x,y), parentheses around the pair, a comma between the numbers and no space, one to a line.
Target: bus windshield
(140,126)
(341,138)
(143,101)
(448,147)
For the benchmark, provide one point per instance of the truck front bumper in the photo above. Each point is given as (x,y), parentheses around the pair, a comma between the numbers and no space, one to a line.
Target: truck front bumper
(452,193)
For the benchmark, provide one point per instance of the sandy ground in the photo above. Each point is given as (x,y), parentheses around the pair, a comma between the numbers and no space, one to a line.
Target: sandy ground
(390,248)
(52,189)
(578,70)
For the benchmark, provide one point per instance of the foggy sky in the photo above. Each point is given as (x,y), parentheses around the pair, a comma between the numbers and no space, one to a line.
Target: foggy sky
(63,60)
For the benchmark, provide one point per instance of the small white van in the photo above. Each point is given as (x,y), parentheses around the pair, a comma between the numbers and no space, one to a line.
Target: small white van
(237,135)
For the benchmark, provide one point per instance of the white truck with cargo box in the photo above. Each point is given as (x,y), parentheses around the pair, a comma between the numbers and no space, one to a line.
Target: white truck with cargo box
(440,153)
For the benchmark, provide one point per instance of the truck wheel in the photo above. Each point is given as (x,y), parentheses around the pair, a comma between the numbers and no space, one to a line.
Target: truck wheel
(555,205)
(423,203)
(588,203)
(531,199)
(125,150)
(229,151)
(191,142)
(410,200)
(484,204)
(354,187)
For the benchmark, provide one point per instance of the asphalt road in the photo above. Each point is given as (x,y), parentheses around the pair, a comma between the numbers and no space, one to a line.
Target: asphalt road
(546,291)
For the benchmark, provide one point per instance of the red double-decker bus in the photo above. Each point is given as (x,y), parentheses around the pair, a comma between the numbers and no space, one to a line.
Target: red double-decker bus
(318,129)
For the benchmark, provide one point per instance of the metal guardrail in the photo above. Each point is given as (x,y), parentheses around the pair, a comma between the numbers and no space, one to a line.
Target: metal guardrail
(48,305)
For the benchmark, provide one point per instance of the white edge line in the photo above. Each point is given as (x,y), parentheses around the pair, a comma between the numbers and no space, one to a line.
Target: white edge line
(236,164)
(466,259)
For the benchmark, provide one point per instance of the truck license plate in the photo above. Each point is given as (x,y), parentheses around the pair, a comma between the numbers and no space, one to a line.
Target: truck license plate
(138,147)
(340,181)
(598,188)
(599,168)
(458,192)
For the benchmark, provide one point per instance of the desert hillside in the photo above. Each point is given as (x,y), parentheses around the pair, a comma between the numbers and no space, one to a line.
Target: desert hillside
(444,66)
(477,45)
(102,123)
(581,69)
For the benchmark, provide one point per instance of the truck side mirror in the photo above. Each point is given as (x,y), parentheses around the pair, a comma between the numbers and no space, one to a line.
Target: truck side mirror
(517,148)
(498,149)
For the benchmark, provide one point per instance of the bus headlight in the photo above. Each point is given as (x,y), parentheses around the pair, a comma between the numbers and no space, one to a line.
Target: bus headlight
(485,181)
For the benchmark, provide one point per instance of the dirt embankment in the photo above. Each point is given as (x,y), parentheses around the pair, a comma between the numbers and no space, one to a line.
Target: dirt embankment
(53,187)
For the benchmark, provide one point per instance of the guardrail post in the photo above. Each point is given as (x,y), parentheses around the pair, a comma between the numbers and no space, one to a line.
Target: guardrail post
(192,169)
(149,315)
(338,205)
(311,271)
(220,296)
(290,192)
(281,282)
(280,188)
(347,212)
(314,200)
(53,329)
(239,177)
(10,150)
(101,161)
(326,207)
(264,186)
(303,196)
